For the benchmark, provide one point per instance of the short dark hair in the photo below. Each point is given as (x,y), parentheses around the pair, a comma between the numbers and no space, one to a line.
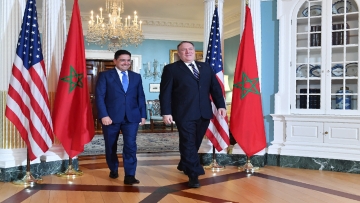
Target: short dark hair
(183,43)
(121,52)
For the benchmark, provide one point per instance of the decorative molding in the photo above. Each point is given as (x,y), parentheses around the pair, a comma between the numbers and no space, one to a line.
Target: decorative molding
(196,37)
(231,33)
(172,23)
(155,22)
(99,54)
(229,18)
(108,55)
(235,17)
(173,29)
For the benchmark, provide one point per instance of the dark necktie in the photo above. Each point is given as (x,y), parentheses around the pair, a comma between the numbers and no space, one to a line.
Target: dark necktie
(195,71)
(125,82)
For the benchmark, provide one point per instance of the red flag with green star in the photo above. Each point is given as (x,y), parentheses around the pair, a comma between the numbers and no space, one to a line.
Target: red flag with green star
(246,119)
(72,114)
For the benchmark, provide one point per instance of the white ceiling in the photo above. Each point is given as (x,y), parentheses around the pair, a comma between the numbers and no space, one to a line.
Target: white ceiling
(166,13)
(173,9)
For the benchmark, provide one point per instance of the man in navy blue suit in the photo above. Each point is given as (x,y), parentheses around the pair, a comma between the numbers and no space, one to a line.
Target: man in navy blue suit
(120,101)
(185,90)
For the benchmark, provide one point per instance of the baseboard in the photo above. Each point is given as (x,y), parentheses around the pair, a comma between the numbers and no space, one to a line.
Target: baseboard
(37,170)
(314,163)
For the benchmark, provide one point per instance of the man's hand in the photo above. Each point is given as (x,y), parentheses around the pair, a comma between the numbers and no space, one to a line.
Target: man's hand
(106,120)
(168,119)
(222,112)
(142,121)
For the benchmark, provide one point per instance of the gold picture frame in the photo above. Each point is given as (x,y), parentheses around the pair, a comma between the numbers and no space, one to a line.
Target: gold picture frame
(175,57)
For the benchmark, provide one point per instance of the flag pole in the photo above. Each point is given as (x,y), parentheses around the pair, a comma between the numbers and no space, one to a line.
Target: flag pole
(70,171)
(70,96)
(246,100)
(28,179)
(215,55)
(248,167)
(214,166)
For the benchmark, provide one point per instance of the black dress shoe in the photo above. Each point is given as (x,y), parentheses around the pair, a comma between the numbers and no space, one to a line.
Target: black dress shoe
(181,169)
(113,174)
(130,180)
(194,183)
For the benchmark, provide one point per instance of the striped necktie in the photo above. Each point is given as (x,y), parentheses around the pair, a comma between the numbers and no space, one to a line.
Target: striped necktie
(125,82)
(195,71)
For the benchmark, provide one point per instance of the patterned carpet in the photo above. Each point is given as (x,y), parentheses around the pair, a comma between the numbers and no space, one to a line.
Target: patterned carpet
(146,142)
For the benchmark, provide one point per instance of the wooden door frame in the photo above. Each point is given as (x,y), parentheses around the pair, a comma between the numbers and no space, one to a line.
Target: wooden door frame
(108,55)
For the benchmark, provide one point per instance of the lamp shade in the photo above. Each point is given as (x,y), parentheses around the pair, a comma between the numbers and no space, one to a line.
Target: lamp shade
(226,83)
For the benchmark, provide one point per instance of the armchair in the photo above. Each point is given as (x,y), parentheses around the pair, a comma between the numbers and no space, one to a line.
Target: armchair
(155,114)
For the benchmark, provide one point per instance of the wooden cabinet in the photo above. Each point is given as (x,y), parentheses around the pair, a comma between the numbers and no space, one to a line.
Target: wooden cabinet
(317,107)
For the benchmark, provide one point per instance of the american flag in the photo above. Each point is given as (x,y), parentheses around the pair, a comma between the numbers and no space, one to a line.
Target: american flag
(218,130)
(27,104)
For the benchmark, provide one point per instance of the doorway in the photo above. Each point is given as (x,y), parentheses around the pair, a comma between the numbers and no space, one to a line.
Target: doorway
(93,68)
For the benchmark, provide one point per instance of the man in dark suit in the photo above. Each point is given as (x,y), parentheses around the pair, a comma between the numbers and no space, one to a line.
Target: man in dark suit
(120,101)
(185,90)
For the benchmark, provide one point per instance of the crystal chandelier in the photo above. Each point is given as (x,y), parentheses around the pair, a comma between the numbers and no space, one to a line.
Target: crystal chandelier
(115,33)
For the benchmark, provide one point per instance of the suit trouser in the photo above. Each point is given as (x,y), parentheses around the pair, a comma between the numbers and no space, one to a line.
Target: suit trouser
(191,134)
(111,135)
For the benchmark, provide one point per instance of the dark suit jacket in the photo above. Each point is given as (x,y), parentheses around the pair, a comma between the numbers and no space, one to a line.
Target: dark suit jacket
(112,101)
(185,98)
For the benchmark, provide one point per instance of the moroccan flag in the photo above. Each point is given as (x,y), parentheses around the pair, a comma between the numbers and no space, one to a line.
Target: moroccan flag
(72,115)
(218,130)
(27,102)
(246,120)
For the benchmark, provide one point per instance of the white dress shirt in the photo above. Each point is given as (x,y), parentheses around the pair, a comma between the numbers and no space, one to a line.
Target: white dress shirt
(190,68)
(120,74)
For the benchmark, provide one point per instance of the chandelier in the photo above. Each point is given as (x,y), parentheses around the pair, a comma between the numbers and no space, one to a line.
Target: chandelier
(116,33)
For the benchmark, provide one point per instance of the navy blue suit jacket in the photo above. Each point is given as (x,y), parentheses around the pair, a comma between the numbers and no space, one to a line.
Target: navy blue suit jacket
(112,101)
(185,98)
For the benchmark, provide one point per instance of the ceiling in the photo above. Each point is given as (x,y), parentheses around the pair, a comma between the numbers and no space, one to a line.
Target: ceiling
(166,13)
(173,9)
